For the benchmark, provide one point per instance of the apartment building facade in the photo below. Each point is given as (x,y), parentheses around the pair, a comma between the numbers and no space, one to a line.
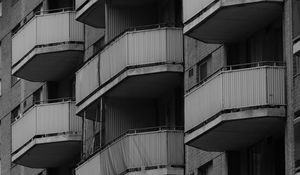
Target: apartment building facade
(149,87)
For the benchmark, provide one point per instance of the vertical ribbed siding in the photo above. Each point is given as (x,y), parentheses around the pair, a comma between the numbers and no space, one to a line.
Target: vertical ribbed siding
(25,35)
(137,151)
(244,88)
(46,29)
(76,29)
(87,79)
(23,129)
(275,86)
(203,103)
(45,119)
(232,90)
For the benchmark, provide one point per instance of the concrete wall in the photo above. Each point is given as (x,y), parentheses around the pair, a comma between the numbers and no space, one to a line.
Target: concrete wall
(12,95)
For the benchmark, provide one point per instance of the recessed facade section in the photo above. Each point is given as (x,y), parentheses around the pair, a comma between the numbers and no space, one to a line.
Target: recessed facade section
(47,135)
(152,152)
(239,106)
(224,21)
(53,50)
(137,63)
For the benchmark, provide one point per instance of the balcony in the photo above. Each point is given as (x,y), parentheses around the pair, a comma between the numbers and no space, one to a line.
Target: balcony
(138,63)
(91,12)
(222,21)
(236,108)
(156,152)
(48,135)
(53,50)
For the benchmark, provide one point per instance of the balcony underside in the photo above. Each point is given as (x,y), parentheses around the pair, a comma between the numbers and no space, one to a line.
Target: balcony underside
(225,22)
(143,82)
(49,63)
(92,13)
(237,130)
(47,152)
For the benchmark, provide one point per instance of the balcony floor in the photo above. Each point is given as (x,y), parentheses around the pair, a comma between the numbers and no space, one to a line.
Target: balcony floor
(92,13)
(49,63)
(230,23)
(47,152)
(237,130)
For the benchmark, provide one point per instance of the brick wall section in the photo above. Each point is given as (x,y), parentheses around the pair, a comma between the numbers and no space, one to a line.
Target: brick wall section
(12,96)
(195,51)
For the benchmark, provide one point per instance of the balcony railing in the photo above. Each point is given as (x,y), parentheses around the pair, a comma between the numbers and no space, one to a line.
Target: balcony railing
(136,48)
(43,30)
(136,150)
(45,119)
(233,89)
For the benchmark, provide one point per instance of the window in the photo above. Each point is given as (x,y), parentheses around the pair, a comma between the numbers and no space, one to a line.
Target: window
(202,68)
(191,72)
(205,169)
(14,80)
(201,71)
(296,64)
(15,114)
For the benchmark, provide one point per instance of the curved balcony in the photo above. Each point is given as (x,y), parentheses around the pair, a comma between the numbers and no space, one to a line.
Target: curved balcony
(236,108)
(138,63)
(221,21)
(153,152)
(51,52)
(48,135)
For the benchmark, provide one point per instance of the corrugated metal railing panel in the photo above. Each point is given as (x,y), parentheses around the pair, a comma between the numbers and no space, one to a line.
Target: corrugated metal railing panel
(146,47)
(203,102)
(87,79)
(90,167)
(45,119)
(52,118)
(46,29)
(76,29)
(24,129)
(192,7)
(175,148)
(25,35)
(275,86)
(174,45)
(235,89)
(113,59)
(139,48)
(136,151)
(75,121)
(244,88)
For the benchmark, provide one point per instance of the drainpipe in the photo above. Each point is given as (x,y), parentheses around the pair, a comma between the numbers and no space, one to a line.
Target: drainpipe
(288,57)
